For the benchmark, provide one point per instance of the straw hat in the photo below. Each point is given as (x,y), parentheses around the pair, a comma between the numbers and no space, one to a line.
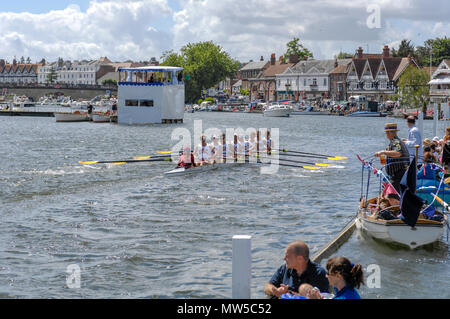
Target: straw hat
(391,127)
(426,142)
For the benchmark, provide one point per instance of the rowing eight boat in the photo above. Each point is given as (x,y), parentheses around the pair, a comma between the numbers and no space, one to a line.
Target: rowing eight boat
(200,169)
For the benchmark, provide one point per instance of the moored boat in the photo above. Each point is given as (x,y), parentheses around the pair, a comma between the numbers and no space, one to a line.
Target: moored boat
(367,114)
(76,116)
(98,117)
(426,231)
(277,110)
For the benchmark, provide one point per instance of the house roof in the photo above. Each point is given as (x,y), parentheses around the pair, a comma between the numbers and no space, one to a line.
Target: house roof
(259,65)
(277,68)
(318,66)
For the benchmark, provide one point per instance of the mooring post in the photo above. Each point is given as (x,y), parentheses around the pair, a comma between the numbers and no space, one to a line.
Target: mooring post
(242,267)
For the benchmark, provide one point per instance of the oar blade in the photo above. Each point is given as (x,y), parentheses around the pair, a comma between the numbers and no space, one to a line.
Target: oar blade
(141,157)
(164,152)
(322,165)
(311,167)
(118,163)
(337,158)
(87,162)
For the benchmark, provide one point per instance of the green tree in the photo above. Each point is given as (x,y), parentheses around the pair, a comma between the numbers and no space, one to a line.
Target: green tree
(245,92)
(344,55)
(109,82)
(405,48)
(52,76)
(441,51)
(295,47)
(205,64)
(413,91)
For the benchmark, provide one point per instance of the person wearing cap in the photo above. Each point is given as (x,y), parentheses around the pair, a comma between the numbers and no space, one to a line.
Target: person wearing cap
(187,158)
(414,138)
(397,157)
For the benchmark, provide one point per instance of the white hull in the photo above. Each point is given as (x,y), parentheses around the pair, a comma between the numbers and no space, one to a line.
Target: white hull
(278,113)
(397,231)
(308,113)
(200,169)
(101,118)
(71,117)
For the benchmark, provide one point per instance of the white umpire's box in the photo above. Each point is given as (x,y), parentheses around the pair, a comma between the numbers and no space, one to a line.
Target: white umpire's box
(150,95)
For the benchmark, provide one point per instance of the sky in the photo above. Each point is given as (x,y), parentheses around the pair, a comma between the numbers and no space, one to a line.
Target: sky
(141,29)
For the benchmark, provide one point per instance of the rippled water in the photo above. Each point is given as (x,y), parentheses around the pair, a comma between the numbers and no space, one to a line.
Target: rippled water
(138,234)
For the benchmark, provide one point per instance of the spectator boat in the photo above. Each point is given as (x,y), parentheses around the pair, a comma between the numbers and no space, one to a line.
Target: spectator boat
(425,231)
(277,110)
(76,116)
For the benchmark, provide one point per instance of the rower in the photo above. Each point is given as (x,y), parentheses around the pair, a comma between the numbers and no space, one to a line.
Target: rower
(268,143)
(215,148)
(203,152)
(251,144)
(186,158)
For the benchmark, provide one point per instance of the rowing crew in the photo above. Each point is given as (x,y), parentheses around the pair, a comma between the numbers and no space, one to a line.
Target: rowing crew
(220,150)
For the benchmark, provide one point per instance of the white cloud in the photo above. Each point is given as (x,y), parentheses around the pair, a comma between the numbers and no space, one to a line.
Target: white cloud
(117,29)
(140,29)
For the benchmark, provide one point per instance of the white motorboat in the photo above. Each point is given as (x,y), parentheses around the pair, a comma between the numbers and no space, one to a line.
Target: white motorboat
(101,117)
(277,110)
(76,116)
(425,231)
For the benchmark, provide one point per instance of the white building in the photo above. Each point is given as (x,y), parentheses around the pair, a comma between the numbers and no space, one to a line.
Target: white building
(75,73)
(306,80)
(18,73)
(440,83)
(151,95)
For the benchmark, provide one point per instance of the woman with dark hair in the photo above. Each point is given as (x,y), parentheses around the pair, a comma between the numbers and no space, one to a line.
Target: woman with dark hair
(345,277)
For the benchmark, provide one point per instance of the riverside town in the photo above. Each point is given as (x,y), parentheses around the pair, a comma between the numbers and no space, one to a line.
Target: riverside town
(197,151)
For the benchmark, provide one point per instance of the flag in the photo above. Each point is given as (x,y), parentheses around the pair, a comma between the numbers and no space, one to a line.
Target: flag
(410,203)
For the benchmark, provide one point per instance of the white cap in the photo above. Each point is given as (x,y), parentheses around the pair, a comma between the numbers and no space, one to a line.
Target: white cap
(436,139)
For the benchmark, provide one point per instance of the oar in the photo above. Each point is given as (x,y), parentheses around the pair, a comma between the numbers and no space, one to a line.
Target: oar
(300,162)
(321,155)
(148,157)
(441,201)
(312,156)
(125,161)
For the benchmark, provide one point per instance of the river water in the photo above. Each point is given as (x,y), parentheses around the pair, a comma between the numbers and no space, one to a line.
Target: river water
(134,233)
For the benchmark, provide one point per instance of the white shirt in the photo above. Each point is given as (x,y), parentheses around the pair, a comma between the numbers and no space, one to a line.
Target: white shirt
(204,153)
(414,138)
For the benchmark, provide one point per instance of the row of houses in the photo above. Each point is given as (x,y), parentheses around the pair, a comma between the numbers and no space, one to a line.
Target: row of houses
(64,72)
(373,75)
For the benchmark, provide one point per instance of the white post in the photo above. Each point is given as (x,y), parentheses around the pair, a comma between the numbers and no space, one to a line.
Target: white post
(435,120)
(242,267)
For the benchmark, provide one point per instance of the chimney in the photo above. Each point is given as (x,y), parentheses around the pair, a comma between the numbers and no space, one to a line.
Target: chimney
(262,58)
(386,52)
(2,63)
(336,64)
(293,58)
(14,62)
(272,59)
(360,53)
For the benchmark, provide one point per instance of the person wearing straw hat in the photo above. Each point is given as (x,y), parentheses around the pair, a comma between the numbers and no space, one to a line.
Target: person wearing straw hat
(397,156)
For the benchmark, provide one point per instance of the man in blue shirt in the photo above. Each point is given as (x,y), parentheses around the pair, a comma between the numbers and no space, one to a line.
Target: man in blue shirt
(299,269)
(414,138)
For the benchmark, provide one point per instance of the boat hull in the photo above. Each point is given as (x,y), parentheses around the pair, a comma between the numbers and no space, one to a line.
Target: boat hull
(201,169)
(396,231)
(101,118)
(308,113)
(277,113)
(71,117)
(367,114)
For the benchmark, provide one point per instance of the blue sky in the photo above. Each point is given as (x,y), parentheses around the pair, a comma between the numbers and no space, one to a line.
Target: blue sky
(40,6)
(141,29)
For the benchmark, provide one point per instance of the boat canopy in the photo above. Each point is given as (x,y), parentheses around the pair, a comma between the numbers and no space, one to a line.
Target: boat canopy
(151,76)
